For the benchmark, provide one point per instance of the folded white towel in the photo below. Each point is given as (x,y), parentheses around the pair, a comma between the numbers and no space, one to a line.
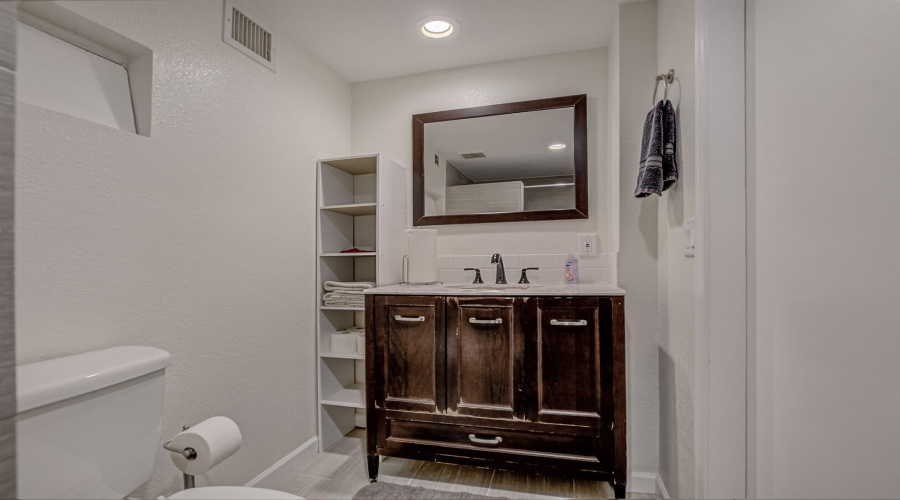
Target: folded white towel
(347,291)
(344,296)
(330,303)
(350,285)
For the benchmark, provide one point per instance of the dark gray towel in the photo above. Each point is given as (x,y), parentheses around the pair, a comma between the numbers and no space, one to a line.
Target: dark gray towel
(659,166)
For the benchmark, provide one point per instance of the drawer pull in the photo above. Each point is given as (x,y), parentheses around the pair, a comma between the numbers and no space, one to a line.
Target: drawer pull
(498,321)
(418,319)
(493,442)
(556,322)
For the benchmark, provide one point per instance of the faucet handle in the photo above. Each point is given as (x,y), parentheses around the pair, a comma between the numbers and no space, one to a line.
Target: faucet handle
(524,279)
(478,280)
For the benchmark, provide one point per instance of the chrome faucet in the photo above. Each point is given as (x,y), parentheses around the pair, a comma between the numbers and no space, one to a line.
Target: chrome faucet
(501,271)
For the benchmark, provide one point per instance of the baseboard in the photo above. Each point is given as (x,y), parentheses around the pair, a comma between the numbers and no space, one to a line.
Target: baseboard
(642,482)
(661,488)
(277,473)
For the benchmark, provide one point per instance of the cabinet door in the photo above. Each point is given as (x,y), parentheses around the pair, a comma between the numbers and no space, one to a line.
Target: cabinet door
(564,355)
(411,338)
(485,349)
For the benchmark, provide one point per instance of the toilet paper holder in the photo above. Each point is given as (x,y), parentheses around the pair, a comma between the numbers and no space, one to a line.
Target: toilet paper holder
(188,453)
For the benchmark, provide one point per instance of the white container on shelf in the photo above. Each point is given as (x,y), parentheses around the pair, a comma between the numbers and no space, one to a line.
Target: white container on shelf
(343,342)
(361,343)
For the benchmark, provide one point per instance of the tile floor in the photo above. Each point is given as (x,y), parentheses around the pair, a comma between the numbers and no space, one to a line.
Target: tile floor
(341,472)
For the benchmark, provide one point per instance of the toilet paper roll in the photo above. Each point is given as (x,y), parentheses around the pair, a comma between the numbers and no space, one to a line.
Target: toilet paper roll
(214,440)
(422,251)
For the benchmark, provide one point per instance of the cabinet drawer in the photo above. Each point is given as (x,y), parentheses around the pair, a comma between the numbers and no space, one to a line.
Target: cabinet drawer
(570,360)
(410,353)
(485,350)
(530,446)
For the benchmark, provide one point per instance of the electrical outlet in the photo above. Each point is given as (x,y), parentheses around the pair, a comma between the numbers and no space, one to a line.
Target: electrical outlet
(587,244)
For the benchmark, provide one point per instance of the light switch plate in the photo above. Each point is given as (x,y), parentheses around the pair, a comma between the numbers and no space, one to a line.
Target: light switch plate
(587,244)
(689,238)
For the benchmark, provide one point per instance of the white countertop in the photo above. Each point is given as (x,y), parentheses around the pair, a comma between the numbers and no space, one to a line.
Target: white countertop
(512,289)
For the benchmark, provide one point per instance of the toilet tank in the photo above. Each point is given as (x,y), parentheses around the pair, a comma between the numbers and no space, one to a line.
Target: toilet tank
(88,425)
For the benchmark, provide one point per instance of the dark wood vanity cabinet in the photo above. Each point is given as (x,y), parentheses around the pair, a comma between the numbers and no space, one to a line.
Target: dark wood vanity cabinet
(523,383)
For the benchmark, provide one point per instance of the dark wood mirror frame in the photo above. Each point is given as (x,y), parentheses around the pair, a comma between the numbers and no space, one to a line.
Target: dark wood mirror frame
(577,102)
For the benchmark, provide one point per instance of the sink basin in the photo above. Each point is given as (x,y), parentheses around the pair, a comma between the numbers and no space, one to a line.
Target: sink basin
(489,287)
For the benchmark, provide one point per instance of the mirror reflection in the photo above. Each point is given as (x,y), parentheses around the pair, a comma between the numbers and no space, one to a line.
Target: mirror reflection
(520,162)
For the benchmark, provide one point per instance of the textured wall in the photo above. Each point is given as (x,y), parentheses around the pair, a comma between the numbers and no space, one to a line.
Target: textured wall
(7,323)
(382,121)
(823,195)
(198,240)
(675,49)
(638,236)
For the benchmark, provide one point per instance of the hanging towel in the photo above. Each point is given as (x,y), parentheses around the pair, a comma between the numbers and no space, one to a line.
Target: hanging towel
(670,145)
(658,170)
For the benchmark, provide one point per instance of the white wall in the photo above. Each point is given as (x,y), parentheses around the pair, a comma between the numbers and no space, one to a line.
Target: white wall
(382,122)
(824,213)
(637,258)
(675,50)
(198,240)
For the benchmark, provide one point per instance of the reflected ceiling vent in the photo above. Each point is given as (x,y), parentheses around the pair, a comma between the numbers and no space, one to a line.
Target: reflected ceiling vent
(472,156)
(248,35)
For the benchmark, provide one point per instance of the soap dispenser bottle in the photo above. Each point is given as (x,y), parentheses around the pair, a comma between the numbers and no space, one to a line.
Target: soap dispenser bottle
(571,269)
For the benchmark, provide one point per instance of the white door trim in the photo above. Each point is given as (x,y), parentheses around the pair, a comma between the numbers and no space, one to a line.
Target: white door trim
(720,399)
(701,327)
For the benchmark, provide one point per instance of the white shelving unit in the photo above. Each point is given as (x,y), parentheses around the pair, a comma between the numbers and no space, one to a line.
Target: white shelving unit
(361,204)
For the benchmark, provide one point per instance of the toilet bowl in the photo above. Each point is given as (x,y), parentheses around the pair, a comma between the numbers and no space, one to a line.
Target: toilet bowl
(89,426)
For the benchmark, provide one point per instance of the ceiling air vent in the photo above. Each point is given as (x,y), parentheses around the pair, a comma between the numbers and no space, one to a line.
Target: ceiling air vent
(248,35)
(472,156)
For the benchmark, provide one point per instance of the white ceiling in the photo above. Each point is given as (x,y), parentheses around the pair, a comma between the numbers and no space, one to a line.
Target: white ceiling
(372,39)
(515,145)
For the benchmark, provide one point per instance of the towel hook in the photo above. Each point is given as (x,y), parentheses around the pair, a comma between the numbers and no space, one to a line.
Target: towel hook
(667,79)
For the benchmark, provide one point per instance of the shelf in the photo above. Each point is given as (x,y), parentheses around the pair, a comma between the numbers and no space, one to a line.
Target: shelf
(350,254)
(355,165)
(351,397)
(342,308)
(352,209)
(342,355)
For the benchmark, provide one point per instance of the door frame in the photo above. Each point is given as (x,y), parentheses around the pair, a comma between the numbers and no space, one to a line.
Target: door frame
(720,399)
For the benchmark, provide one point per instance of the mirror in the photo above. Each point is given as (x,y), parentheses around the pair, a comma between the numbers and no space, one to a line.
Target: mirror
(508,162)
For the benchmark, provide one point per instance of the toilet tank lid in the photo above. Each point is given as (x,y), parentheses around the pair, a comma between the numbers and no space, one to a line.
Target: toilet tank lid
(46,382)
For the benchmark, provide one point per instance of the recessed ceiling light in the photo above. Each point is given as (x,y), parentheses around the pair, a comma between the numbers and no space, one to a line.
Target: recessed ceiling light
(437,26)
(556,146)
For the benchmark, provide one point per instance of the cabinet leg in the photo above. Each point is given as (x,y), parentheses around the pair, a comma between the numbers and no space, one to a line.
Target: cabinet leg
(619,490)
(373,468)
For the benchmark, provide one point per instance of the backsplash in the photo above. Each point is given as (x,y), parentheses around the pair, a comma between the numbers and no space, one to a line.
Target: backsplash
(597,269)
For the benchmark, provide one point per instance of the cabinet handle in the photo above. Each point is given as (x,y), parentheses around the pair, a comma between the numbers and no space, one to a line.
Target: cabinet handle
(556,322)
(495,441)
(498,321)
(418,319)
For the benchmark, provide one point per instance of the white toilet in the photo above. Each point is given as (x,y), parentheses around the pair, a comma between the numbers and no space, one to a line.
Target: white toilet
(89,427)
